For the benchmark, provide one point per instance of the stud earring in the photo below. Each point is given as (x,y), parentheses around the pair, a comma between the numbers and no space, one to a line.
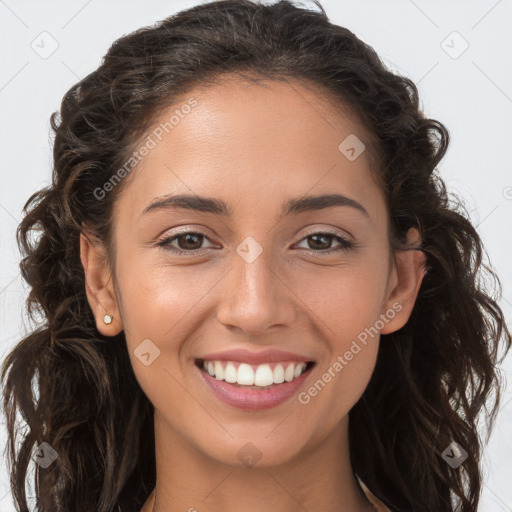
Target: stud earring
(107,319)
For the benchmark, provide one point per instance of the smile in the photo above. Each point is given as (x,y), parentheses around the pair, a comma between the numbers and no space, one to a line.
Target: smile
(257,376)
(254,387)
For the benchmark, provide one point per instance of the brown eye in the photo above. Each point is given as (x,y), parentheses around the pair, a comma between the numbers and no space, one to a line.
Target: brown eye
(190,241)
(322,242)
(187,243)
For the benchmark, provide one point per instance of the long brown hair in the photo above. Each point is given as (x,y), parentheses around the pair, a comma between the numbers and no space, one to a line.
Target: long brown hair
(433,377)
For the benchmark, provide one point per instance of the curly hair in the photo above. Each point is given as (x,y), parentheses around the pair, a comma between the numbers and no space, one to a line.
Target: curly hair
(433,377)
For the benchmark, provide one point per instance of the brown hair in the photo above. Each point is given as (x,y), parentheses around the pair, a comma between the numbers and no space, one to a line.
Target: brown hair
(433,377)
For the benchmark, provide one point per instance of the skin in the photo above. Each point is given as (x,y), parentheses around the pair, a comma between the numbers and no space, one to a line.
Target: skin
(254,147)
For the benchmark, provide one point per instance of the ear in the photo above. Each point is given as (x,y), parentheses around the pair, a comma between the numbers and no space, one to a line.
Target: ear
(99,285)
(404,283)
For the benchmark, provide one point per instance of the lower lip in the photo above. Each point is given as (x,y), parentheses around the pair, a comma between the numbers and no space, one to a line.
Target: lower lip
(253,399)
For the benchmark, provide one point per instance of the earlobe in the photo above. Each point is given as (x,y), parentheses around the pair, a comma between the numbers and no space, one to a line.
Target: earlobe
(410,270)
(99,286)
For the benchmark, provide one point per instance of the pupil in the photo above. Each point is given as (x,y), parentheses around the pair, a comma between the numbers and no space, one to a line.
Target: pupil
(188,237)
(316,237)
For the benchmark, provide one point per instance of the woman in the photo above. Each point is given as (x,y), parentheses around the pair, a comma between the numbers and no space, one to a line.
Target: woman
(257,293)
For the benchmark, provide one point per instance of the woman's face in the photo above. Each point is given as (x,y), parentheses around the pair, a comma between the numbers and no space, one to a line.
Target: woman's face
(255,275)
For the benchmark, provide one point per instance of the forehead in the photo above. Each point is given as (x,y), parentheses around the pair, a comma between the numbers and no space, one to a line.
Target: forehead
(271,112)
(254,141)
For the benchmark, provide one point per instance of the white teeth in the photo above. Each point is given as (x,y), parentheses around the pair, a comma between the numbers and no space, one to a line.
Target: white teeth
(230,373)
(261,375)
(219,372)
(278,374)
(299,369)
(245,375)
(264,376)
(289,372)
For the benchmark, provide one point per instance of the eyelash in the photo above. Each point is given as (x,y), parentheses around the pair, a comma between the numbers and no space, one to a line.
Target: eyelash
(346,244)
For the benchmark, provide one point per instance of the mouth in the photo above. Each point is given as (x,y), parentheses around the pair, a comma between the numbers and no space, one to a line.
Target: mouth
(262,376)
(254,387)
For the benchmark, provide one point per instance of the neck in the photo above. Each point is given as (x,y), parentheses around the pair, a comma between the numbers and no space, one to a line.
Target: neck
(320,478)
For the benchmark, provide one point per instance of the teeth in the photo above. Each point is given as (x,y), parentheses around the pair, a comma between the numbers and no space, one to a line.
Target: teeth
(298,370)
(219,372)
(264,376)
(278,374)
(230,373)
(254,375)
(288,374)
(245,375)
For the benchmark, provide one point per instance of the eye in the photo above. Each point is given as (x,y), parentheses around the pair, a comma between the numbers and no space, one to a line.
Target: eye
(189,242)
(321,242)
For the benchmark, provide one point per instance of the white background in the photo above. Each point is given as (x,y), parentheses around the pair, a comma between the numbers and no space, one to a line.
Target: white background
(470,94)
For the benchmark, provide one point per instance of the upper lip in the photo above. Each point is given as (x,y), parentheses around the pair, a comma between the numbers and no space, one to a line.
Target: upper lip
(260,357)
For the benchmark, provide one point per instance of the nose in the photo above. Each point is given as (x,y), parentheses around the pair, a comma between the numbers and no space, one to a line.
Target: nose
(256,297)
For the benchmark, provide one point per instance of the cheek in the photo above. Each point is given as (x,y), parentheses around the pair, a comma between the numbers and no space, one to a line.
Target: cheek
(343,376)
(346,301)
(162,308)
(338,385)
(347,306)
(344,304)
(158,301)
(352,368)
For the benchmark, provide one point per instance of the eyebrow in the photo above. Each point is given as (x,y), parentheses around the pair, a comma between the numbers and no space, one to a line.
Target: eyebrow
(219,207)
